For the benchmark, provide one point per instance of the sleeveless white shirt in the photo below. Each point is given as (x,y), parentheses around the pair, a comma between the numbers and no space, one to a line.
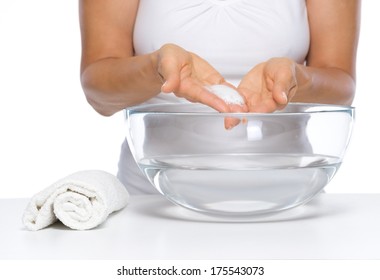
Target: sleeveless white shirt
(232,35)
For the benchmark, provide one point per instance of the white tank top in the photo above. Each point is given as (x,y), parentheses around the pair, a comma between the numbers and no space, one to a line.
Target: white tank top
(232,35)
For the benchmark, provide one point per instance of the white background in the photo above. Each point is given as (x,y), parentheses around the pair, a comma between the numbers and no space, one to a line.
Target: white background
(47,129)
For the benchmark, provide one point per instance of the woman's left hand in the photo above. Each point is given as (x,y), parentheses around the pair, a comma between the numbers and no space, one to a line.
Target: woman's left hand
(270,85)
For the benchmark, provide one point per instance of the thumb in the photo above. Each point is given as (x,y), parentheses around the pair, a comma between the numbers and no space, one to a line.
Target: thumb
(170,74)
(280,93)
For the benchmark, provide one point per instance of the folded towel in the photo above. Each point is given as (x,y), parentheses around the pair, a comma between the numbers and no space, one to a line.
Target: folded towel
(82,200)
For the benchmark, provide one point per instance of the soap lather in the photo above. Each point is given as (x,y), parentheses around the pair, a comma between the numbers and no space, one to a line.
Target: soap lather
(230,97)
(227,94)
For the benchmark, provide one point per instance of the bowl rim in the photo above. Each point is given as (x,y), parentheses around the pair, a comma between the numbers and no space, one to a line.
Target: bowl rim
(325,108)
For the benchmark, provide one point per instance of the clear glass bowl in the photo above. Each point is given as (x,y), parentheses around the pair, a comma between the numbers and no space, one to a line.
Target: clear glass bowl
(267,163)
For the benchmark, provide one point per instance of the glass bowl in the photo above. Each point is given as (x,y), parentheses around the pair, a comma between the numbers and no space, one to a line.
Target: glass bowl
(268,162)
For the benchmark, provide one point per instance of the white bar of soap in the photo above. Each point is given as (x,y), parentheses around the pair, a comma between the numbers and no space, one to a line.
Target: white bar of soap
(227,94)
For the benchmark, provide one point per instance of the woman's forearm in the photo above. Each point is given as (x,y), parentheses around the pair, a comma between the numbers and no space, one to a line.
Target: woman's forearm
(324,85)
(112,84)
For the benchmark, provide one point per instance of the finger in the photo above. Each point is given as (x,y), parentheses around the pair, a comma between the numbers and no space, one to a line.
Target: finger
(284,82)
(200,94)
(197,93)
(231,122)
(291,92)
(169,72)
(283,91)
(280,97)
(265,106)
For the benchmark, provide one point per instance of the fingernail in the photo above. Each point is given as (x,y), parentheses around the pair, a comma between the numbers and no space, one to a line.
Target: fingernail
(228,126)
(284,97)
(163,85)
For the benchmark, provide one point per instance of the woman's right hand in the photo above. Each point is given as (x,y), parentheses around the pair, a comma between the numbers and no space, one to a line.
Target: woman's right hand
(186,75)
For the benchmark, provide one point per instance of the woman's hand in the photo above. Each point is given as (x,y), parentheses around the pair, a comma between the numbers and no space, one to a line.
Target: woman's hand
(186,75)
(269,86)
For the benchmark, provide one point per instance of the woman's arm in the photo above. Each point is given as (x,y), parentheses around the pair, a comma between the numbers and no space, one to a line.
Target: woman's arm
(329,73)
(113,78)
(331,62)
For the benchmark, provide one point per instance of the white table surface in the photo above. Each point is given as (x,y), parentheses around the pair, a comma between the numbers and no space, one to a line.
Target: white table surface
(332,226)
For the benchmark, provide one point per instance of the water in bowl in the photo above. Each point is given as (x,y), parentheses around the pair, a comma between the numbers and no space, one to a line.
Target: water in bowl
(240,184)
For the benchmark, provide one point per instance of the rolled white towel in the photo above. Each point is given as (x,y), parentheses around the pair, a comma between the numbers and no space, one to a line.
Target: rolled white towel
(82,200)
